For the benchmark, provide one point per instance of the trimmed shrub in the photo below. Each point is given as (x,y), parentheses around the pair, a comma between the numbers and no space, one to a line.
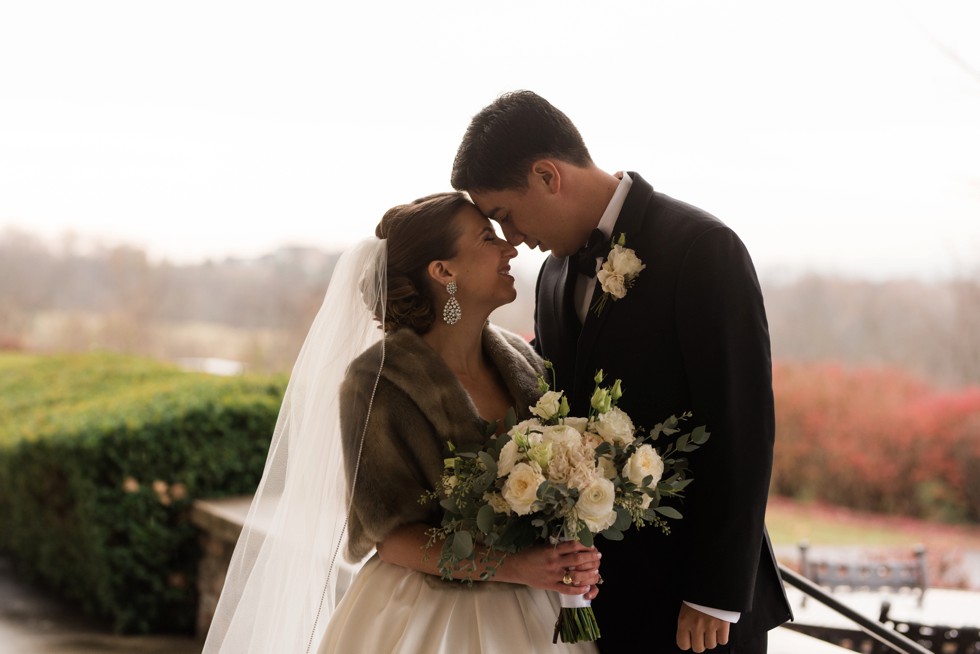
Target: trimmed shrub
(877,439)
(100,458)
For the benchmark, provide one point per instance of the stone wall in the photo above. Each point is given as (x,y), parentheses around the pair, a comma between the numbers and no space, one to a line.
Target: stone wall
(220,522)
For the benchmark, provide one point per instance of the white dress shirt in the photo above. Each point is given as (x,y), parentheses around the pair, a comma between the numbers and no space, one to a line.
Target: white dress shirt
(585,285)
(584,288)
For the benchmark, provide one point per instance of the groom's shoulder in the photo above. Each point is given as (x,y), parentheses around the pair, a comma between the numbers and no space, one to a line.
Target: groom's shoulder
(671,208)
(663,212)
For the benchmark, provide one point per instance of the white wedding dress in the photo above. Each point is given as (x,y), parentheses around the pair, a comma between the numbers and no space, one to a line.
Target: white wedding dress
(389,608)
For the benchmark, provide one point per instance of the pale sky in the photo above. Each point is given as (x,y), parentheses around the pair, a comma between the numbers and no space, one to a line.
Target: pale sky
(837,136)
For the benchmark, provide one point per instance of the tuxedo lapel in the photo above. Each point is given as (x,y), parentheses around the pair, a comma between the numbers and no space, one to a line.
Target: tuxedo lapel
(630,223)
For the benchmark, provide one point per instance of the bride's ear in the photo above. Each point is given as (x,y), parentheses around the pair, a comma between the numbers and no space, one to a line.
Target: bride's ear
(439,273)
(545,176)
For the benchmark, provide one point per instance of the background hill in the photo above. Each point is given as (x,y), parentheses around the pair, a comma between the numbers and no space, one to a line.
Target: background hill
(257,311)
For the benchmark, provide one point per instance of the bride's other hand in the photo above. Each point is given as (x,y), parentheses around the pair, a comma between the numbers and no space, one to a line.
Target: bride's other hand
(546,566)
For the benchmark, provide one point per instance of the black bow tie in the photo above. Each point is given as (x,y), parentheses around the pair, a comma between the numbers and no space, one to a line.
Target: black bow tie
(597,246)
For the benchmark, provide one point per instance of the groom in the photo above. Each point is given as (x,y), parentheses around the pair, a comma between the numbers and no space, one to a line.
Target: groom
(690,334)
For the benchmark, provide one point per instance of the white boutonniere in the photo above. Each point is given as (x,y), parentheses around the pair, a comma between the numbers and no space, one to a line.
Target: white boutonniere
(618,273)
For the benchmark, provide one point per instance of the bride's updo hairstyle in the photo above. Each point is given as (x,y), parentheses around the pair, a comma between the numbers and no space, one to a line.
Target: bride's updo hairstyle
(417,234)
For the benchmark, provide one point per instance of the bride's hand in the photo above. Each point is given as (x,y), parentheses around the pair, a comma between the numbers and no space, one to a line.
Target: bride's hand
(546,566)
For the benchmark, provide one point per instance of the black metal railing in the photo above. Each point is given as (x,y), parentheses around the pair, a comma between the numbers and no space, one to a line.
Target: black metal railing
(892,639)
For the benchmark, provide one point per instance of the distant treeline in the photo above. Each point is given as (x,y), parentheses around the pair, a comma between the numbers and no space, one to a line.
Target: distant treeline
(258,310)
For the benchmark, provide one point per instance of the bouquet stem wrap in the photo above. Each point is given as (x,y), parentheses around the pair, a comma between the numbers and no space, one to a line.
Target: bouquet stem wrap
(576,621)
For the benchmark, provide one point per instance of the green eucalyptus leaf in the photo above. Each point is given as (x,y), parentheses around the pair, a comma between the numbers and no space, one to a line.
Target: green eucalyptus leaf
(488,461)
(623,519)
(485,518)
(612,534)
(462,544)
(681,484)
(700,435)
(669,512)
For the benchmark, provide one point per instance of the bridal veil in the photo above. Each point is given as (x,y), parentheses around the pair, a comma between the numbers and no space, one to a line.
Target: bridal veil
(288,570)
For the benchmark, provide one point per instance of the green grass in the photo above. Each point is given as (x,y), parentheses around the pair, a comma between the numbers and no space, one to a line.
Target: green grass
(788,529)
(790,522)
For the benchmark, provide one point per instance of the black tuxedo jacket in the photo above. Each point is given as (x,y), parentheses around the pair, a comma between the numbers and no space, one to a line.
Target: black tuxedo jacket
(691,334)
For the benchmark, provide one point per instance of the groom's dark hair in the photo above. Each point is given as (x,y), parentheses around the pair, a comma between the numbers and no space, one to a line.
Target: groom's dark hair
(507,136)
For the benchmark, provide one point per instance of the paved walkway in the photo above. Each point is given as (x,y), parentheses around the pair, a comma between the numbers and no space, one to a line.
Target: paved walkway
(35,622)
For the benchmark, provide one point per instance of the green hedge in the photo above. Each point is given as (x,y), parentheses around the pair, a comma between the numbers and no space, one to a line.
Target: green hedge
(100,458)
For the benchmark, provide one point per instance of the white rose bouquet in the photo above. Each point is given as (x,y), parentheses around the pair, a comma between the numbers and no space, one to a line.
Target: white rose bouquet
(556,477)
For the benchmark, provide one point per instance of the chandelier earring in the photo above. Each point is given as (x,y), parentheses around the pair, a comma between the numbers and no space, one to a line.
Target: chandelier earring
(451,313)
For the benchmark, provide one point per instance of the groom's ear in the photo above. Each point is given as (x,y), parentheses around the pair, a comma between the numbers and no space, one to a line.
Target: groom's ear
(545,174)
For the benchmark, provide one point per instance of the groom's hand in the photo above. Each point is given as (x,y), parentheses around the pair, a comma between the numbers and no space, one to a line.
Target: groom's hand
(699,631)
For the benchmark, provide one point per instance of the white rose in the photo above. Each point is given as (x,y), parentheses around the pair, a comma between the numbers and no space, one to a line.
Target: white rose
(497,501)
(595,505)
(547,406)
(612,282)
(509,455)
(615,426)
(525,426)
(625,262)
(521,488)
(644,462)
(578,424)
(563,434)
(607,468)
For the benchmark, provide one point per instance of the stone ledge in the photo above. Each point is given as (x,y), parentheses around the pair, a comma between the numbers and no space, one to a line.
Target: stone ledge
(220,522)
(222,518)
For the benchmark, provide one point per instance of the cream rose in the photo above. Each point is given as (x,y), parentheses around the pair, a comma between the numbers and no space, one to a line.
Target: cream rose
(497,502)
(521,488)
(525,426)
(578,424)
(567,436)
(612,282)
(615,426)
(509,456)
(624,261)
(595,505)
(607,468)
(644,462)
(548,404)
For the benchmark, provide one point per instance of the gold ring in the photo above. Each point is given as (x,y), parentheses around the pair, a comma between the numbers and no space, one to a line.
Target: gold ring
(567,579)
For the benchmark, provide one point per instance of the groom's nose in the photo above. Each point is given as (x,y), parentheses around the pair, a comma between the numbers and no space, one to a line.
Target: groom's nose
(513,236)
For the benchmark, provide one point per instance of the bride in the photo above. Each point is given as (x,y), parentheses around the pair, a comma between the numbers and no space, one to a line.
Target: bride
(362,435)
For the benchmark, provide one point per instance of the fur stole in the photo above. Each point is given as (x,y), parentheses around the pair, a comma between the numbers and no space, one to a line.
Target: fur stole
(419,405)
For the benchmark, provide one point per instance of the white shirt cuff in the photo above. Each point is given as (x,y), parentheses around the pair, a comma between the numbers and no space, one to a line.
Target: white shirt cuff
(727,616)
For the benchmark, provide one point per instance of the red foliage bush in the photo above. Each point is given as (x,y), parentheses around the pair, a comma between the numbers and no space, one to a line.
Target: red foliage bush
(877,439)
